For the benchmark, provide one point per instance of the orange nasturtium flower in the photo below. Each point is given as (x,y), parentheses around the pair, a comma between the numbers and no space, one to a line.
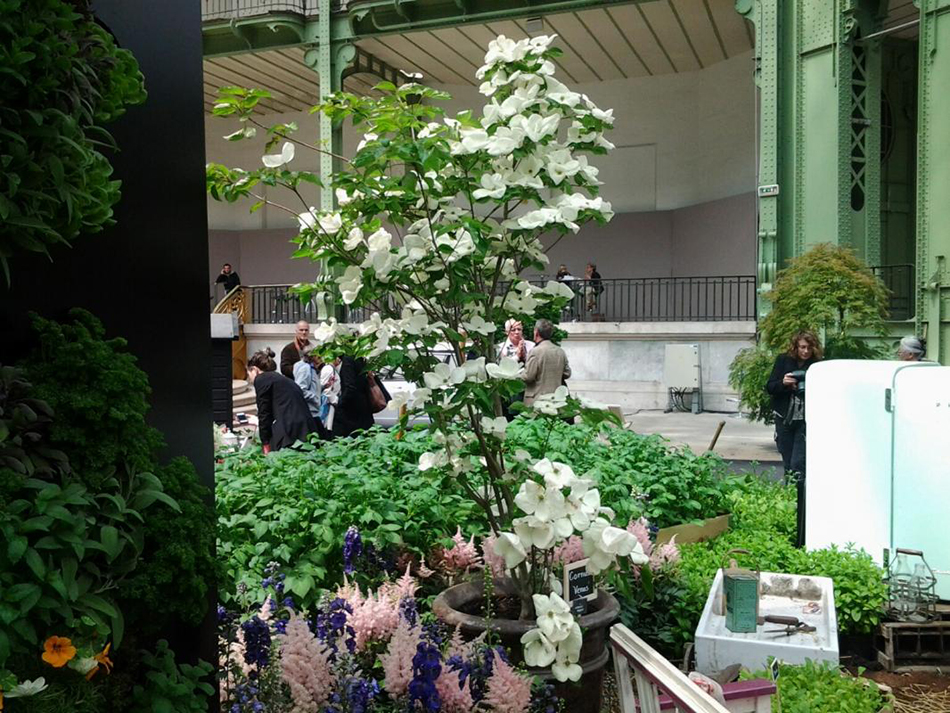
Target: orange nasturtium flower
(57,651)
(103,660)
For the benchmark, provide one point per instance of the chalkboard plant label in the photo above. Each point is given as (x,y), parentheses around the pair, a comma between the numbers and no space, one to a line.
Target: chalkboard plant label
(579,586)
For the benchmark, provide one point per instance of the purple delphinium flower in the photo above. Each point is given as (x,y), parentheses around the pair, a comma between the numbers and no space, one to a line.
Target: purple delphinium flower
(543,699)
(330,625)
(257,641)
(352,549)
(426,667)
(408,610)
(360,693)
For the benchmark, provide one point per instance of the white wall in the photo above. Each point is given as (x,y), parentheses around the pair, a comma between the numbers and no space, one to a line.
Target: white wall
(682,139)
(681,180)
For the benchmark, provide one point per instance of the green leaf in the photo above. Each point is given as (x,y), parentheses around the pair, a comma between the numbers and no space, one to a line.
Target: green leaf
(35,563)
(94,601)
(16,548)
(110,541)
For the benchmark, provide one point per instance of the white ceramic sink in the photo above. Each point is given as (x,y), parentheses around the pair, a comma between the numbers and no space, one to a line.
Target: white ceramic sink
(810,599)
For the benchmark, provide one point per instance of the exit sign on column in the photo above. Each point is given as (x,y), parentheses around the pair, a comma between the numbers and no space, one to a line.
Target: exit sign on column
(769,190)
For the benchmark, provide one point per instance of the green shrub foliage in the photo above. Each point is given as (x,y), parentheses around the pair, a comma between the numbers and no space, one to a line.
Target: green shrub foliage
(821,688)
(171,687)
(61,78)
(295,507)
(829,291)
(99,395)
(178,567)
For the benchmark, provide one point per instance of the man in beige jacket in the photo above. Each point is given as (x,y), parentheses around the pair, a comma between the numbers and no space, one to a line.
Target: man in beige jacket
(546,367)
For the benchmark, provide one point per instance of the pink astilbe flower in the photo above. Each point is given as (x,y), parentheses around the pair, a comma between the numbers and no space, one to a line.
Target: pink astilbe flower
(403,587)
(455,698)
(461,557)
(397,661)
(571,550)
(508,691)
(456,645)
(641,530)
(667,553)
(375,616)
(373,619)
(305,666)
(494,561)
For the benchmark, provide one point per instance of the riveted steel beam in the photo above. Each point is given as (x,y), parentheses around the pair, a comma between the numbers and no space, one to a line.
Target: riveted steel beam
(933,179)
(764,15)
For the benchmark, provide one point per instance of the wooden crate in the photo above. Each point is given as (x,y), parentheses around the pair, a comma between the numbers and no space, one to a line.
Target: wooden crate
(906,646)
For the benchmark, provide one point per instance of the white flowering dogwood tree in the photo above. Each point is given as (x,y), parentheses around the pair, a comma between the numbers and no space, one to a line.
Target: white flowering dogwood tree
(438,217)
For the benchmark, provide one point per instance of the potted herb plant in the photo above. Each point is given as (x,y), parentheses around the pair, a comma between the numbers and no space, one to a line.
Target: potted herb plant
(438,219)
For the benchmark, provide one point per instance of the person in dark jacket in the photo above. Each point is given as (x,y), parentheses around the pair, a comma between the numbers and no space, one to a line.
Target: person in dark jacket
(282,413)
(353,412)
(228,277)
(804,350)
(788,407)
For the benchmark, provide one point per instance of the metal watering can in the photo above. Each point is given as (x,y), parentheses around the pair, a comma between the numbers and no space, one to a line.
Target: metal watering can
(740,589)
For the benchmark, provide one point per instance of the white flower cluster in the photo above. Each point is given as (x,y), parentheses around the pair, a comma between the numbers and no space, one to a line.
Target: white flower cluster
(555,509)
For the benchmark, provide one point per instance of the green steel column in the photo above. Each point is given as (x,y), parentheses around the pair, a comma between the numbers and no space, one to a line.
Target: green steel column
(933,178)
(330,59)
(765,17)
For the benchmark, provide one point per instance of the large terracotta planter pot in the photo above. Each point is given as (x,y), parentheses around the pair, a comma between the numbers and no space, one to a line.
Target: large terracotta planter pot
(586,695)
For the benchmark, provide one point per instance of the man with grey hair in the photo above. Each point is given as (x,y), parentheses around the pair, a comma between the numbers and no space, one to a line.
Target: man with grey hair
(546,367)
(290,354)
(910,349)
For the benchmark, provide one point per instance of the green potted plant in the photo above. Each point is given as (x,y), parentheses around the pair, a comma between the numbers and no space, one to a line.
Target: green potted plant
(438,217)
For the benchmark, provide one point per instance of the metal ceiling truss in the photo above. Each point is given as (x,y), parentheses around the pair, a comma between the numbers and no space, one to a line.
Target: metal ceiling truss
(356,19)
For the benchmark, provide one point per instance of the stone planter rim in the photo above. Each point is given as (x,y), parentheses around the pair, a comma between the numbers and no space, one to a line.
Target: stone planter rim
(447,603)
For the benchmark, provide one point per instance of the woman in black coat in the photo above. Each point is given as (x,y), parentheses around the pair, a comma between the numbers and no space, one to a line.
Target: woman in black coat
(804,350)
(282,413)
(353,412)
(786,386)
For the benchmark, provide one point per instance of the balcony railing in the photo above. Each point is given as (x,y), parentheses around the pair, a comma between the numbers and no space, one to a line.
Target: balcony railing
(661,299)
(900,281)
(228,9)
(642,299)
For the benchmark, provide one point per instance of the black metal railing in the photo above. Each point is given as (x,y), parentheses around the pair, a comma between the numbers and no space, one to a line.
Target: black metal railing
(236,9)
(900,282)
(276,304)
(718,298)
(640,299)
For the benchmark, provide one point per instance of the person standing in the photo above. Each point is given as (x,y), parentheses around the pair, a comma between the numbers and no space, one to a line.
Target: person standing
(282,414)
(593,287)
(515,345)
(307,376)
(330,395)
(546,368)
(228,277)
(786,386)
(354,411)
(290,354)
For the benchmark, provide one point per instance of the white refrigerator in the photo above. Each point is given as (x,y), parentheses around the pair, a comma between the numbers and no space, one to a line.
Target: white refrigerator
(878,459)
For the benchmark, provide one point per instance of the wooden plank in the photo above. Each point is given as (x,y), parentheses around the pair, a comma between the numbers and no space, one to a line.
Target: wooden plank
(662,673)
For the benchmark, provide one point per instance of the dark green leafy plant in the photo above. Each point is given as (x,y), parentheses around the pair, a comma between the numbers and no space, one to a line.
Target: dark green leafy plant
(62,78)
(821,688)
(178,566)
(171,687)
(24,426)
(748,375)
(99,395)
